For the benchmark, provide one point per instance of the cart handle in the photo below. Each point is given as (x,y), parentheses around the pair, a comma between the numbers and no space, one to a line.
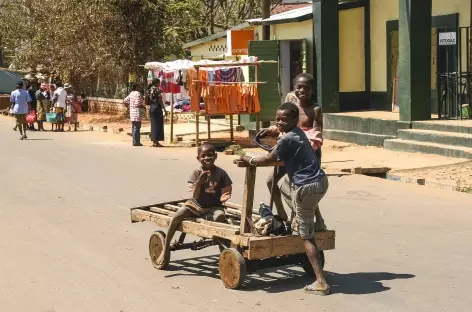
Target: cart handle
(258,141)
(242,164)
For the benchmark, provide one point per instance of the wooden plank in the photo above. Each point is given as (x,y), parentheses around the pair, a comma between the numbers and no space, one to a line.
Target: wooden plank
(241,164)
(268,247)
(231,205)
(239,207)
(162,211)
(202,228)
(172,207)
(248,198)
(235,64)
(147,207)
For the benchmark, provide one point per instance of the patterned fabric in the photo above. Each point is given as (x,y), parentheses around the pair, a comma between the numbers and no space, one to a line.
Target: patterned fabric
(155,96)
(134,100)
(59,114)
(41,110)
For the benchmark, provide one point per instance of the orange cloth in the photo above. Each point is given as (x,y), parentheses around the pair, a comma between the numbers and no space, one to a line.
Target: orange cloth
(221,99)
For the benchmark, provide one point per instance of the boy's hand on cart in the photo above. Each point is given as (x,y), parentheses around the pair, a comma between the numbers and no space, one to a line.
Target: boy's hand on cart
(245,159)
(225,197)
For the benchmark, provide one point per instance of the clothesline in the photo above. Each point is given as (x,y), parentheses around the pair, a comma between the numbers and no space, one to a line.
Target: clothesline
(235,64)
(232,82)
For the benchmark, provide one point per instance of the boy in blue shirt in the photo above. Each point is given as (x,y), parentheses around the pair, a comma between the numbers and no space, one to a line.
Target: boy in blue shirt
(304,185)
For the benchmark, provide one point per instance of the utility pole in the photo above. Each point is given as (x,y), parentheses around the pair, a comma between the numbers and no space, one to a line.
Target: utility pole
(265,14)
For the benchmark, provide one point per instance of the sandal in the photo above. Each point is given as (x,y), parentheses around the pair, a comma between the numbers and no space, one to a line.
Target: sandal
(315,289)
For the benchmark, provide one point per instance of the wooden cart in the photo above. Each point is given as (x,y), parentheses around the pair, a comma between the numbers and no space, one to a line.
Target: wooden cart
(241,251)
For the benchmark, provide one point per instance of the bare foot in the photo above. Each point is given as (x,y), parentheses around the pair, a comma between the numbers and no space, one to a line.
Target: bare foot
(320,226)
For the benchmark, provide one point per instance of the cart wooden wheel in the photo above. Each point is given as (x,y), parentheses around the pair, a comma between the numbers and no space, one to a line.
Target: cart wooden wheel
(232,268)
(156,245)
(306,264)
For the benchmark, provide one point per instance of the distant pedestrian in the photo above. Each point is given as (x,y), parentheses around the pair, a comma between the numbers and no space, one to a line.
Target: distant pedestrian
(85,104)
(135,102)
(71,112)
(20,104)
(41,107)
(59,100)
(33,104)
(156,113)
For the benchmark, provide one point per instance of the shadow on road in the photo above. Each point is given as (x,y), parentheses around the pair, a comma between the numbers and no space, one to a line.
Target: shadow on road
(284,279)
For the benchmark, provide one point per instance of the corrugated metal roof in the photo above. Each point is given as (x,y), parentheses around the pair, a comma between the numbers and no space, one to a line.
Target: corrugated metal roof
(292,16)
(280,8)
(8,80)
(218,35)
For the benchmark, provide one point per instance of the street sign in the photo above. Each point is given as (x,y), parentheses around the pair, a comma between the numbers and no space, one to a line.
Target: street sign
(447,38)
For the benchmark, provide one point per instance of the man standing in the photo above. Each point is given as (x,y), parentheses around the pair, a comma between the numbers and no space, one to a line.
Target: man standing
(20,100)
(59,100)
(135,102)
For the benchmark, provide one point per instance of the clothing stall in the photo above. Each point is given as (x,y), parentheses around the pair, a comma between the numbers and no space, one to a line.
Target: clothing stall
(173,78)
(224,91)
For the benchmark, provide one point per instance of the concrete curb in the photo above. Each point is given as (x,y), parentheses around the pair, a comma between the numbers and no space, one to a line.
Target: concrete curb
(421,181)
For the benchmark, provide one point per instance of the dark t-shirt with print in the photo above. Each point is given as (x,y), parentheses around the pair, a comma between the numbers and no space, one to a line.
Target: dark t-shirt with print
(300,160)
(210,191)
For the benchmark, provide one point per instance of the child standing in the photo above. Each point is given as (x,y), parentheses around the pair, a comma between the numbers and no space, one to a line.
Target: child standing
(211,187)
(304,185)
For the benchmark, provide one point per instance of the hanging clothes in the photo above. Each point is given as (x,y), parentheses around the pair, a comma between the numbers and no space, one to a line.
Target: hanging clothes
(168,83)
(234,74)
(222,99)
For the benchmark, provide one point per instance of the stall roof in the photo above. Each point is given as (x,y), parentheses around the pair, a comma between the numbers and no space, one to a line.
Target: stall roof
(292,16)
(8,80)
(216,36)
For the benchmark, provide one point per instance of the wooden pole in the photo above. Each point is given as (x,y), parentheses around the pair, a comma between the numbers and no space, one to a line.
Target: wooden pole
(265,14)
(231,128)
(208,125)
(197,125)
(258,127)
(197,114)
(172,118)
(248,199)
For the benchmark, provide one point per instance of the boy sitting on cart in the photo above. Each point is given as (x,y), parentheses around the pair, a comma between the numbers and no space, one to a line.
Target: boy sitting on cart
(211,187)
(304,185)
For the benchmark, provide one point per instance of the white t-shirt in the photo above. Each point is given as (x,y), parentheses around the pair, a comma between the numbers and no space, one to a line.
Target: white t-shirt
(61,97)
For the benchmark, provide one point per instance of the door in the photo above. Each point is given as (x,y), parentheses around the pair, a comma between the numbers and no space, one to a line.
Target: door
(269,93)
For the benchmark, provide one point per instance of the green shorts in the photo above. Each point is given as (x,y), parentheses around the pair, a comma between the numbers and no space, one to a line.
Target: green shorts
(303,200)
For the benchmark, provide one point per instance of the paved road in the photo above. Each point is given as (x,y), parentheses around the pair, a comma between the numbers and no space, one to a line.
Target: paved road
(66,243)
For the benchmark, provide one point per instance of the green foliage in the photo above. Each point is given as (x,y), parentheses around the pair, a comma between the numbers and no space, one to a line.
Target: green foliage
(95,44)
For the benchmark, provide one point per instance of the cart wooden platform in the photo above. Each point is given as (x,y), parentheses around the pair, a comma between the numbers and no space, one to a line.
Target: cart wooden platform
(242,252)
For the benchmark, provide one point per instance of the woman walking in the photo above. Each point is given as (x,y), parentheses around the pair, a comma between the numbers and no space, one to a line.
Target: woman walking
(41,107)
(156,113)
(71,111)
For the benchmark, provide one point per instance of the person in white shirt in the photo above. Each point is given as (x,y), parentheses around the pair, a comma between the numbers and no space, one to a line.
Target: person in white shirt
(59,100)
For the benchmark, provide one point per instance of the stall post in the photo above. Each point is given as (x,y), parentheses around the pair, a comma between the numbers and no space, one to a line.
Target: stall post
(208,117)
(231,128)
(172,118)
(258,127)
(197,114)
